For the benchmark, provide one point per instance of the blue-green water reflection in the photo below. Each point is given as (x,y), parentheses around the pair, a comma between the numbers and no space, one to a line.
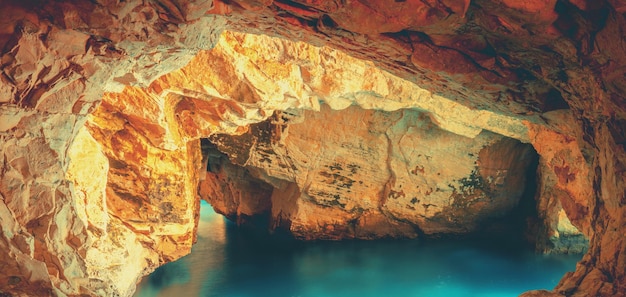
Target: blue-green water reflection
(228,262)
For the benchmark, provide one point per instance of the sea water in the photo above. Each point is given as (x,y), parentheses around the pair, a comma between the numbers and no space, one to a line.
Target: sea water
(230,262)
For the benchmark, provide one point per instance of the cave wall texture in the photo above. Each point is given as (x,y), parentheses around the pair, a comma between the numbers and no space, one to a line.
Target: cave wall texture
(100,126)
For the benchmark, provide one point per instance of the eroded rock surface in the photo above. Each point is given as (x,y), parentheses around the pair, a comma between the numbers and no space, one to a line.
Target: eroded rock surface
(501,65)
(367,174)
(58,236)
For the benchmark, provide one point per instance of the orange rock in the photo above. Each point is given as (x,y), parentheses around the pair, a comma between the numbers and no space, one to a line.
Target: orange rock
(383,175)
(57,60)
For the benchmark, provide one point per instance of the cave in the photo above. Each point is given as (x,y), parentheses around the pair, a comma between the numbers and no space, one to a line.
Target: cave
(365,181)
(116,117)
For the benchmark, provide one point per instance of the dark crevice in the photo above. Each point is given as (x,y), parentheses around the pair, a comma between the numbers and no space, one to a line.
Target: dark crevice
(240,186)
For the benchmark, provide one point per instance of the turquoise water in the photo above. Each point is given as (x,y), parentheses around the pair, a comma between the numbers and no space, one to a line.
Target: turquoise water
(228,261)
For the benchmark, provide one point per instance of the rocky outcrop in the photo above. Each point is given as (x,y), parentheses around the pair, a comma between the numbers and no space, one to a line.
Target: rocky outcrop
(498,66)
(365,174)
(563,183)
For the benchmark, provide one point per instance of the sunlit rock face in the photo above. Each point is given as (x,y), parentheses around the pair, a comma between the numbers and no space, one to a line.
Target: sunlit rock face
(60,233)
(547,73)
(366,174)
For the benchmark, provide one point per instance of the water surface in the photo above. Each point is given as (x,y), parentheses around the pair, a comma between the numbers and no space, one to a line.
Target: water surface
(231,262)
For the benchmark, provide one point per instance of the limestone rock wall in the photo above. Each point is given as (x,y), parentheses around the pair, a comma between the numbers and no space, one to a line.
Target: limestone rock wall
(369,174)
(564,182)
(57,58)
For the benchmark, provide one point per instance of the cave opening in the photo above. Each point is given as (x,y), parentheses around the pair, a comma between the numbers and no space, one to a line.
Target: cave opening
(267,250)
(238,255)
(255,179)
(353,169)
